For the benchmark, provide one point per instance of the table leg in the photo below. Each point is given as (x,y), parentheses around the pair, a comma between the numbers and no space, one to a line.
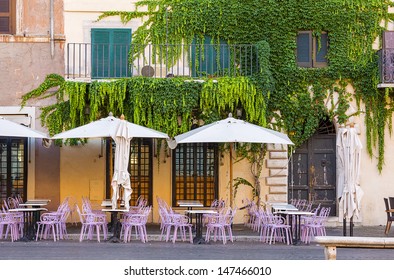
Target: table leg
(198,239)
(29,225)
(115,227)
(296,231)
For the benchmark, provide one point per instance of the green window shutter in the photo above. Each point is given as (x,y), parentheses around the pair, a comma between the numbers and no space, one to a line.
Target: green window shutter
(100,53)
(121,45)
(304,51)
(110,49)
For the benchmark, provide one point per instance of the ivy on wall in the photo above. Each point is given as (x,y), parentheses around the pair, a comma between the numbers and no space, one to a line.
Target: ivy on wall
(291,97)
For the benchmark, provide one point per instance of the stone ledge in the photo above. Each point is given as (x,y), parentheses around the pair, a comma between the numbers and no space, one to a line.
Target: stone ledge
(331,243)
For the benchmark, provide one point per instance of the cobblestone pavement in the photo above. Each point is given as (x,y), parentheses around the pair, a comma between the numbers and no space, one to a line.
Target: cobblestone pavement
(245,247)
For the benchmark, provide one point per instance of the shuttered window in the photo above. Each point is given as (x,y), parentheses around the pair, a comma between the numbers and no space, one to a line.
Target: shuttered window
(7,16)
(110,48)
(312,50)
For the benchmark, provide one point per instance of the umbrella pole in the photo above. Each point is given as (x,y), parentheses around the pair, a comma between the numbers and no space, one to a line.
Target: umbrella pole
(231,175)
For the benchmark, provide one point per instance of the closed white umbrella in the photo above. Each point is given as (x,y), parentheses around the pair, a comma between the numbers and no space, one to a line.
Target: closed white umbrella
(231,131)
(122,132)
(121,175)
(349,159)
(12,129)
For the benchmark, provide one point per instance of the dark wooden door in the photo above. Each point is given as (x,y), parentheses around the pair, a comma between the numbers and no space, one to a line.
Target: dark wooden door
(312,172)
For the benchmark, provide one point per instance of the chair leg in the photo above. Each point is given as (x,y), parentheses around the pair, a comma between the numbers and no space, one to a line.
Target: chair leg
(388,226)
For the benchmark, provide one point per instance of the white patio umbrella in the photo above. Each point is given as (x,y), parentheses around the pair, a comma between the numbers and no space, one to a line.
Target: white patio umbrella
(231,131)
(122,132)
(349,158)
(12,129)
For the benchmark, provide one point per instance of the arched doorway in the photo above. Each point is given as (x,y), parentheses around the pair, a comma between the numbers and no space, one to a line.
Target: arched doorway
(312,169)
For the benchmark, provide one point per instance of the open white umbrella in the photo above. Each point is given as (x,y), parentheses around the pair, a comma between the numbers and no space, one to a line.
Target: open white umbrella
(12,129)
(122,132)
(231,131)
(349,158)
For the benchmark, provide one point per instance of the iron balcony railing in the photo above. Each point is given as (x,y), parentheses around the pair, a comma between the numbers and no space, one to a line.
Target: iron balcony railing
(99,61)
(386,66)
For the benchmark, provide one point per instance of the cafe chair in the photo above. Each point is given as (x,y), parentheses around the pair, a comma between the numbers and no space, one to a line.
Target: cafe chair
(10,224)
(315,225)
(181,223)
(168,222)
(138,222)
(48,224)
(91,223)
(278,229)
(216,228)
(389,214)
(228,222)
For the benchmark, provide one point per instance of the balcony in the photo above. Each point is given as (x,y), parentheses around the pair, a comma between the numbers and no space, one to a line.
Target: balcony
(386,68)
(85,61)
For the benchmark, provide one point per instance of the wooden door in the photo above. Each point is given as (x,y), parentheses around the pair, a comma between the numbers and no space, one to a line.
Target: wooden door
(312,172)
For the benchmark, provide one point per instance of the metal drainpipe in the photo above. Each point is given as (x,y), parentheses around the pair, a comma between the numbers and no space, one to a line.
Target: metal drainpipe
(52,29)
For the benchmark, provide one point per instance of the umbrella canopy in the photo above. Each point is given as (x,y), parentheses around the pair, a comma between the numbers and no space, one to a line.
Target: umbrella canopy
(122,132)
(349,158)
(107,127)
(231,131)
(12,129)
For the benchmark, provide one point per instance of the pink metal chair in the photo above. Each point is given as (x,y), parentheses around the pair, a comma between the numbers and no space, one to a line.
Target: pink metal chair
(215,228)
(90,224)
(138,222)
(49,223)
(8,221)
(181,223)
(315,226)
(277,229)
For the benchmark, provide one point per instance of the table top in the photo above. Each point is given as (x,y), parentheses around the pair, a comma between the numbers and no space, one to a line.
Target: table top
(201,211)
(189,203)
(284,207)
(306,213)
(108,203)
(27,209)
(115,210)
(33,203)
(38,200)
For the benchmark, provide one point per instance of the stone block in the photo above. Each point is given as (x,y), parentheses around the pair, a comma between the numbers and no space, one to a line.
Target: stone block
(278,172)
(276,198)
(278,190)
(276,147)
(277,155)
(276,181)
(276,163)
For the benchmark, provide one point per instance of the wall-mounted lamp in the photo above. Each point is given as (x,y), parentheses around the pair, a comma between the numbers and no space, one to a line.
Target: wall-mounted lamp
(87,110)
(239,113)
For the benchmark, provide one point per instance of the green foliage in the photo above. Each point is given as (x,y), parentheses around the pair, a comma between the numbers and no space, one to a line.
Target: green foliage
(289,97)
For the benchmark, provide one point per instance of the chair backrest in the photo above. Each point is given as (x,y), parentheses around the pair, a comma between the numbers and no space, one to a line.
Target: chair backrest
(391,203)
(390,215)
